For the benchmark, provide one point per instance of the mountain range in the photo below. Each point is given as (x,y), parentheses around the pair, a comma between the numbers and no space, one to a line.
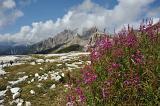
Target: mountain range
(65,41)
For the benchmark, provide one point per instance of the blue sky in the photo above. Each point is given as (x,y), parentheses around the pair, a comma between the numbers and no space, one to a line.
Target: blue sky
(42,10)
(22,20)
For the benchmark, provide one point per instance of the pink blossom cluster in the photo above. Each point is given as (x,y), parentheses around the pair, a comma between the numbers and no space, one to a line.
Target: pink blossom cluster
(80,94)
(138,57)
(88,75)
(113,67)
(133,80)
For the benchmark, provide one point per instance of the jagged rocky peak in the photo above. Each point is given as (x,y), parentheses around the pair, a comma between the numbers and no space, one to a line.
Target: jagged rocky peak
(60,39)
(88,32)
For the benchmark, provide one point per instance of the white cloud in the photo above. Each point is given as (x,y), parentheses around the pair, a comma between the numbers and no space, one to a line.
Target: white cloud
(85,15)
(8,4)
(8,12)
(154,12)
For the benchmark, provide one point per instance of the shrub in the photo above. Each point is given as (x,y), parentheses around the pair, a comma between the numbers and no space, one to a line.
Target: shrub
(124,70)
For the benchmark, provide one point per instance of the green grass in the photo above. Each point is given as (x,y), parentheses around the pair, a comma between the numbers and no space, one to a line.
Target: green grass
(44,96)
(75,47)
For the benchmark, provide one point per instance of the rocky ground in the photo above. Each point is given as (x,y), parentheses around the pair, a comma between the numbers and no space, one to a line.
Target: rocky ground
(38,80)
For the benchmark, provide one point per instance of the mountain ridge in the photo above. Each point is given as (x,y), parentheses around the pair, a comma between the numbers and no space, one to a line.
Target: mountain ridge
(53,44)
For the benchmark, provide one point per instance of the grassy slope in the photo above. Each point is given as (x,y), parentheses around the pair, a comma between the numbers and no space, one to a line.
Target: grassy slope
(44,95)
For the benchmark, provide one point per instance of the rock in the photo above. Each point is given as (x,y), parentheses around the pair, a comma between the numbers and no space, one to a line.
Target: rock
(72,65)
(69,104)
(36,75)
(15,90)
(32,80)
(40,61)
(20,73)
(47,60)
(40,79)
(2,72)
(39,85)
(2,94)
(50,60)
(20,104)
(45,78)
(8,87)
(16,95)
(41,68)
(79,63)
(18,101)
(57,78)
(29,82)
(88,62)
(59,65)
(32,63)
(32,92)
(18,81)
(28,103)
(62,74)
(56,73)
(1,101)
(53,86)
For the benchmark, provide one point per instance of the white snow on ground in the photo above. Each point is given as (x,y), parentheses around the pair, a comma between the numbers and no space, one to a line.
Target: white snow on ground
(18,81)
